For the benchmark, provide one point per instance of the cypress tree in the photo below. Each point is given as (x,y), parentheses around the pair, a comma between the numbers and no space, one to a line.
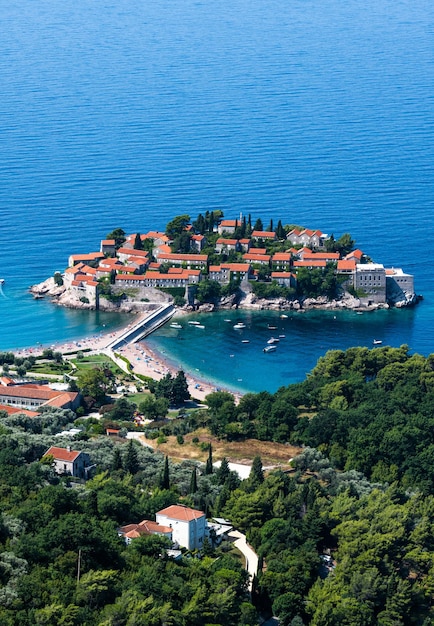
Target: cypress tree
(193,481)
(208,466)
(137,242)
(165,478)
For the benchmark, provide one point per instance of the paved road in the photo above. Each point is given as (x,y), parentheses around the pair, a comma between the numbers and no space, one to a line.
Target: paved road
(249,554)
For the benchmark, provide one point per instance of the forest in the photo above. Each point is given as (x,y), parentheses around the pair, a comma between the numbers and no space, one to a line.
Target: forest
(344,538)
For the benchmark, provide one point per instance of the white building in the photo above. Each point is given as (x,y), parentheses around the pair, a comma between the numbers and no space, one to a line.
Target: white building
(67,461)
(188,525)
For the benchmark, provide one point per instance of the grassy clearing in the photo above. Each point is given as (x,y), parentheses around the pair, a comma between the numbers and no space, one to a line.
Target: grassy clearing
(235,451)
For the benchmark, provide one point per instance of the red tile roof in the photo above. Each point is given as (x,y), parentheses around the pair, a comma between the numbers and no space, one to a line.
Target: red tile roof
(248,256)
(183,257)
(310,263)
(182,513)
(62,454)
(236,267)
(264,234)
(345,264)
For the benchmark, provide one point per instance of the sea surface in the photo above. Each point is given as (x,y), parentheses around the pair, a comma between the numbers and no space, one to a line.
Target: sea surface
(126,114)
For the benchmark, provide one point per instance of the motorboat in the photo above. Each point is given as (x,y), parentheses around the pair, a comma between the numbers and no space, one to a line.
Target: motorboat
(175,325)
(273,340)
(239,326)
(2,281)
(269,349)
(245,340)
(194,323)
(283,316)
(377,342)
(272,327)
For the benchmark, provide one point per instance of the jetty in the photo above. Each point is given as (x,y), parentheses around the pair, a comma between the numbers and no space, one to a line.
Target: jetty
(143,327)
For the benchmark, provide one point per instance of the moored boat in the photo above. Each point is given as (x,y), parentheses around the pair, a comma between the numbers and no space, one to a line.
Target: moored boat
(269,349)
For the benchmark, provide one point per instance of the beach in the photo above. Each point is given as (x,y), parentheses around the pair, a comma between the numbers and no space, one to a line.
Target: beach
(144,361)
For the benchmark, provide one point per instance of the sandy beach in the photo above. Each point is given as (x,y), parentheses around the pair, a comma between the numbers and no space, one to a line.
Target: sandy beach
(143,360)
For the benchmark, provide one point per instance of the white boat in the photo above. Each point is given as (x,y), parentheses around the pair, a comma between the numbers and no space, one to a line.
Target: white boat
(377,342)
(245,340)
(2,281)
(272,327)
(282,336)
(175,325)
(239,326)
(199,326)
(283,316)
(194,323)
(273,340)
(269,348)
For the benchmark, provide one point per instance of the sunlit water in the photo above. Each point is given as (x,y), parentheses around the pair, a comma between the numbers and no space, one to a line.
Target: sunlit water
(126,114)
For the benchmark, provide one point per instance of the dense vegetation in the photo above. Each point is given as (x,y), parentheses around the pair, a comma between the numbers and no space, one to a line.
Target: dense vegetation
(346,538)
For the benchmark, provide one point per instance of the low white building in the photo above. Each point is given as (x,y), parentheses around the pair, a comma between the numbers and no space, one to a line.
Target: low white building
(188,525)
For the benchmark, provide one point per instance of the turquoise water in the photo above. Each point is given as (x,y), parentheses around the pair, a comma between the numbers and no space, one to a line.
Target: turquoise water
(319,114)
(219,353)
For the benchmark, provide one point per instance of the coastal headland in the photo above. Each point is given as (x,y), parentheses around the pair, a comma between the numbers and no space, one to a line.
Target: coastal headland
(214,263)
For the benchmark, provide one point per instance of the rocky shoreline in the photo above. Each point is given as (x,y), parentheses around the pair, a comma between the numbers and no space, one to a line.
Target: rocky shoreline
(246,300)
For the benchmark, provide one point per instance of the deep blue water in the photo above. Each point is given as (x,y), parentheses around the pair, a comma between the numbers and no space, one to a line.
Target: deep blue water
(125,114)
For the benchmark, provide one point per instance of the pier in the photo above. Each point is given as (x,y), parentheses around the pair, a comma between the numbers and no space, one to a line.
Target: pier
(143,327)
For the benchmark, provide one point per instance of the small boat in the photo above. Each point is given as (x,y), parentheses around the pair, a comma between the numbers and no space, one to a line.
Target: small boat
(228,320)
(269,349)
(272,327)
(245,340)
(283,316)
(282,336)
(2,281)
(194,323)
(377,342)
(239,326)
(175,325)
(273,340)
(199,326)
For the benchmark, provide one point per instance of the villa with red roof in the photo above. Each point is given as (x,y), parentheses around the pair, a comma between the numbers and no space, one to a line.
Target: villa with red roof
(188,525)
(146,527)
(67,461)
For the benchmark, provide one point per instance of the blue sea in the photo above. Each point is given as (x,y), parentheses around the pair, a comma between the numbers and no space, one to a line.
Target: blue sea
(126,114)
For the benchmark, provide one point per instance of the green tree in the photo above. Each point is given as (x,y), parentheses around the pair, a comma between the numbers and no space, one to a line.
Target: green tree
(131,463)
(118,235)
(176,226)
(193,481)
(256,476)
(116,463)
(209,466)
(93,382)
(165,477)
(138,242)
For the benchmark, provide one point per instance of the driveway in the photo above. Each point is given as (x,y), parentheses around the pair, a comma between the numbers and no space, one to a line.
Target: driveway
(249,554)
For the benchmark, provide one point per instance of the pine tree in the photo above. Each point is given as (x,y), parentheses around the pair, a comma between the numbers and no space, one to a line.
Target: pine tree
(223,471)
(193,481)
(165,478)
(256,476)
(116,463)
(132,459)
(208,466)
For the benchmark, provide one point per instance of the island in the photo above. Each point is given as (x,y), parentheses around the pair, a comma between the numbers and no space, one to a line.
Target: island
(213,262)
